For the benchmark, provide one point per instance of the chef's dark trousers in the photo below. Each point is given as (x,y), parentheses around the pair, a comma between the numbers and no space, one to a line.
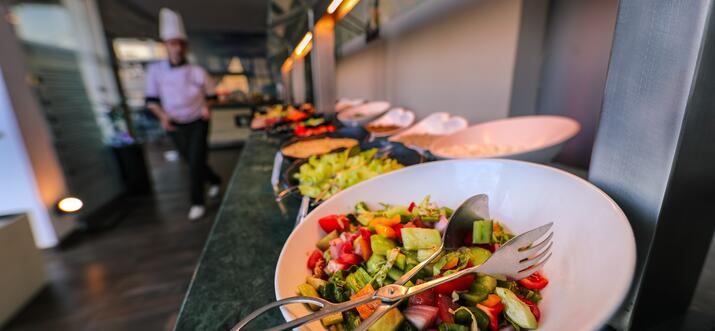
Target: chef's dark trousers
(190,140)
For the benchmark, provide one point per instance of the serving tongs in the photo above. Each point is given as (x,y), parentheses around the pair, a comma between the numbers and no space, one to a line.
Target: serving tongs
(518,258)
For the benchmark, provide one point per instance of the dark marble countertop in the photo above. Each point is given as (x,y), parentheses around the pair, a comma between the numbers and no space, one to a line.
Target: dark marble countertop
(235,273)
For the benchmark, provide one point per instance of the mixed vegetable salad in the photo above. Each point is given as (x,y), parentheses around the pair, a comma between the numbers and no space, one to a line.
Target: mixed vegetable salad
(367,249)
(323,176)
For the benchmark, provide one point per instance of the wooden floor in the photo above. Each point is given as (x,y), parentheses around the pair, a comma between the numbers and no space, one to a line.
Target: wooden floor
(132,276)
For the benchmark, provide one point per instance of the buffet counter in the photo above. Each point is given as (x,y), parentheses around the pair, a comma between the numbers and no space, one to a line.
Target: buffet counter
(236,270)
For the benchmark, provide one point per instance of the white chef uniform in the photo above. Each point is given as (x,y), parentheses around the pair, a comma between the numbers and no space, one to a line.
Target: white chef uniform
(181,90)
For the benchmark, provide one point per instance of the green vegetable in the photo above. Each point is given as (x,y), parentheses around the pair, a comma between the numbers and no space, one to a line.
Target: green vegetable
(396,210)
(381,274)
(323,176)
(332,319)
(424,254)
(380,245)
(464,316)
(334,293)
(400,261)
(324,243)
(419,238)
(374,263)
(482,318)
(357,280)
(463,255)
(452,327)
(352,320)
(395,273)
(365,218)
(479,255)
(389,322)
(488,282)
(482,232)
(361,207)
(473,297)
(307,290)
(316,283)
(516,310)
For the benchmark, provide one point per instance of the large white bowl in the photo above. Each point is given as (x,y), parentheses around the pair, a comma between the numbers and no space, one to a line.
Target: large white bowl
(531,138)
(593,254)
(438,124)
(364,113)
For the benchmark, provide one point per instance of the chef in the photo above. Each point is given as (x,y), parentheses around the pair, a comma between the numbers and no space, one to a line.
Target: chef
(178,93)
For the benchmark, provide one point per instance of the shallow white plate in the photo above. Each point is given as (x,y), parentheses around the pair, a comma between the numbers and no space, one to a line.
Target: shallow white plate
(364,113)
(529,138)
(396,116)
(437,124)
(593,253)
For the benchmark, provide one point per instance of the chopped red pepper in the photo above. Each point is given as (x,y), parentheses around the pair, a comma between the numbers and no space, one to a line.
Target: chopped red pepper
(534,282)
(460,284)
(365,233)
(314,258)
(493,314)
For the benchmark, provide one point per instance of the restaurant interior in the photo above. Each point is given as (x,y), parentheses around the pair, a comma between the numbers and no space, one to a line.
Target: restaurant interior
(383,165)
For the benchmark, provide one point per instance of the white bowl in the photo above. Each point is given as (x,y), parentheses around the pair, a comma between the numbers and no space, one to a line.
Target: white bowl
(346,103)
(528,138)
(396,116)
(593,253)
(438,124)
(362,114)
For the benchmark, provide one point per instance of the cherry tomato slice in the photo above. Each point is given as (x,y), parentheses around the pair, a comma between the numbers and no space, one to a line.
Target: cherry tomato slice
(314,258)
(534,282)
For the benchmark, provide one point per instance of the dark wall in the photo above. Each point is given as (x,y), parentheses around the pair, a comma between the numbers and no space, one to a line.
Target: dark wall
(577,48)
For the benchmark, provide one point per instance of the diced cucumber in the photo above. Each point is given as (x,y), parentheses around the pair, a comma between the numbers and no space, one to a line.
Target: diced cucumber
(390,322)
(400,261)
(316,283)
(374,263)
(396,210)
(395,273)
(332,319)
(420,238)
(324,243)
(482,232)
(411,257)
(357,280)
(380,245)
(307,290)
(424,254)
(361,207)
(365,218)
(479,255)
(517,311)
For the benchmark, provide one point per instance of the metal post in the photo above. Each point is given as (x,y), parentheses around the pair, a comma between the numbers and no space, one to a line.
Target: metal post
(654,150)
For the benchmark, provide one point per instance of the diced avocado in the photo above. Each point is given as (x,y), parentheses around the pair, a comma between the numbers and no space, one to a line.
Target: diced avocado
(489,282)
(324,243)
(316,283)
(374,263)
(473,298)
(516,310)
(400,261)
(479,255)
(332,319)
(395,273)
(361,207)
(307,290)
(380,245)
(482,232)
(419,238)
(390,322)
(365,218)
(424,254)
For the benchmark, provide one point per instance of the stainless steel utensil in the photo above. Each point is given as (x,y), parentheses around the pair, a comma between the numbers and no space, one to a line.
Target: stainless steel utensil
(518,258)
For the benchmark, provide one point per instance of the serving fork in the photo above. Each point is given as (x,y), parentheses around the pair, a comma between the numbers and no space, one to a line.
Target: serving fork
(518,258)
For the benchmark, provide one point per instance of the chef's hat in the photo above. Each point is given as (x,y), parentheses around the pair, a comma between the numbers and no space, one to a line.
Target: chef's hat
(170,25)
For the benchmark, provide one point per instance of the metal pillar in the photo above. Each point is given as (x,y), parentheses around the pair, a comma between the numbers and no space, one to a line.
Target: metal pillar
(654,150)
(323,65)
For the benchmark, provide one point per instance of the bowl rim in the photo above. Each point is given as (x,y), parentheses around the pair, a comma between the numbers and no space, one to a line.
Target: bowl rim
(623,221)
(568,135)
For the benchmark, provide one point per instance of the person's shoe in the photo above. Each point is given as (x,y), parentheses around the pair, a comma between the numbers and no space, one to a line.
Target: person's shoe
(214,190)
(196,212)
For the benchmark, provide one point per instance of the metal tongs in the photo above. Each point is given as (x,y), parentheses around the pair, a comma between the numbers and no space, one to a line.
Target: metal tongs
(518,258)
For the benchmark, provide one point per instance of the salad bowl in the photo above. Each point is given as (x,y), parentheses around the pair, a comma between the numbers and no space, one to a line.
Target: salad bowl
(593,258)
(362,114)
(399,118)
(528,138)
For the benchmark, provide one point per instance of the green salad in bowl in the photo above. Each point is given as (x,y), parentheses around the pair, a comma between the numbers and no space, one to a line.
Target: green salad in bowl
(366,249)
